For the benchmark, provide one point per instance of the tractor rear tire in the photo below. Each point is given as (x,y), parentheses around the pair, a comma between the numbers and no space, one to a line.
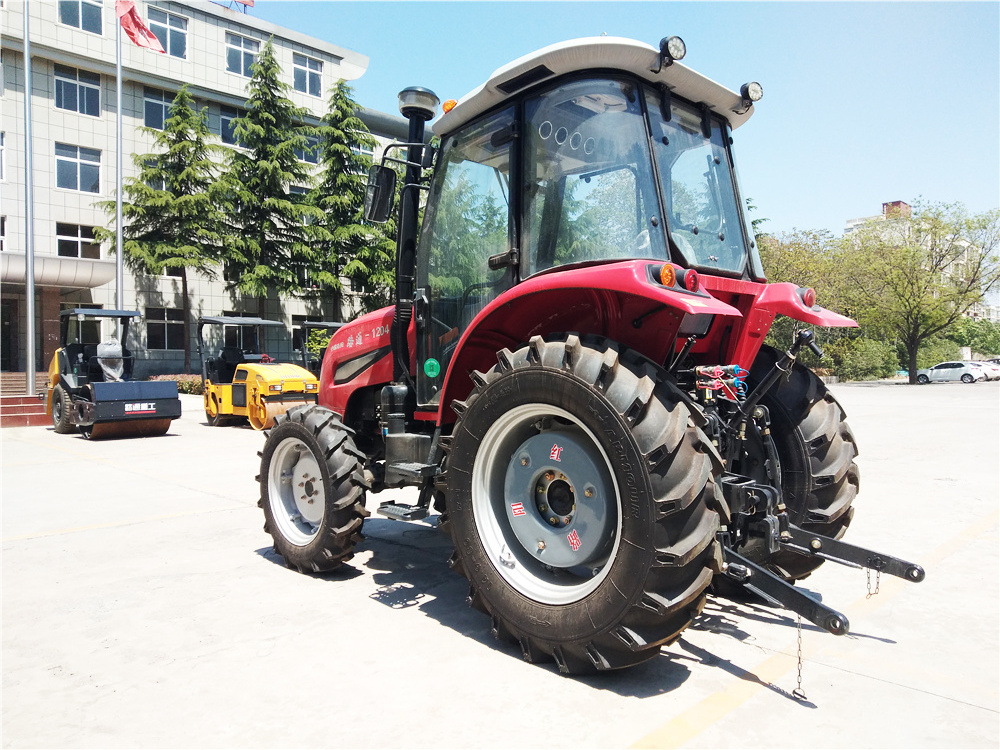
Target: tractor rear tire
(582,504)
(816,450)
(312,489)
(61,405)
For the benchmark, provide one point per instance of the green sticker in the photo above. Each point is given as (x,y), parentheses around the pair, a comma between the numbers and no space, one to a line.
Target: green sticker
(432,368)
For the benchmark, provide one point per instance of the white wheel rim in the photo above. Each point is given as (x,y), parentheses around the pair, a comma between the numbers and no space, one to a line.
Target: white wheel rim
(518,565)
(295,491)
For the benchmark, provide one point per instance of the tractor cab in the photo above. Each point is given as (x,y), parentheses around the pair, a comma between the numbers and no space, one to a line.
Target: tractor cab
(563,161)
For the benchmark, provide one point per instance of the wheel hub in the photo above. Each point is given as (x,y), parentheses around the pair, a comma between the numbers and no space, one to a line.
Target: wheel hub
(307,487)
(557,500)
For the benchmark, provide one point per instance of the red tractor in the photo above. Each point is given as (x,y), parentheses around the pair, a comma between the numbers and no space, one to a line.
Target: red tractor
(573,373)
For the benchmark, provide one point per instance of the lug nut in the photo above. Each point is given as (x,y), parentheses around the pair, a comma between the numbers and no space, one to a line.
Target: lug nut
(524,461)
(543,507)
(589,492)
(553,520)
(541,545)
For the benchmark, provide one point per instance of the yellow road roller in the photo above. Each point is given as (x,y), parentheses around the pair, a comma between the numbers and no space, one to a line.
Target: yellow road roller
(241,381)
(90,385)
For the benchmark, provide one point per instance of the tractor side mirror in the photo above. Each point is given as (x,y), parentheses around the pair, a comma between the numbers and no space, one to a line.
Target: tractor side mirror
(379,193)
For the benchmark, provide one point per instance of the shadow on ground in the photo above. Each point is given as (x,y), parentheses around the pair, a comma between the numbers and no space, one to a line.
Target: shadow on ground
(408,563)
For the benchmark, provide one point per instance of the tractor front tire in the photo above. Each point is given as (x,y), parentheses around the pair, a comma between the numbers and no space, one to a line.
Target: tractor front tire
(312,489)
(61,405)
(816,450)
(582,504)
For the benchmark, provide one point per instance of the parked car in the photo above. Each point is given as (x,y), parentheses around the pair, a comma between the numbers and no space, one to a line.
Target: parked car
(949,371)
(991,369)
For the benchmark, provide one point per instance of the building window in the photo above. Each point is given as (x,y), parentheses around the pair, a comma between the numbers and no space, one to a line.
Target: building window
(75,241)
(83,14)
(156,183)
(78,168)
(244,337)
(78,91)
(308,75)
(311,151)
(228,124)
(156,107)
(3,159)
(241,53)
(171,30)
(164,328)
(3,233)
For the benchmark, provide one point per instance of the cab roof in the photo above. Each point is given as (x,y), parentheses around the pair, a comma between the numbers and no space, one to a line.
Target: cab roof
(592,53)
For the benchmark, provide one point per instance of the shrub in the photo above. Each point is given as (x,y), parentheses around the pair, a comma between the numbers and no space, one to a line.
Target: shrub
(185,383)
(863,359)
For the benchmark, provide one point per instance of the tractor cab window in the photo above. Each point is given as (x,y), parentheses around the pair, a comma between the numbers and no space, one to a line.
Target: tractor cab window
(590,187)
(467,222)
(703,212)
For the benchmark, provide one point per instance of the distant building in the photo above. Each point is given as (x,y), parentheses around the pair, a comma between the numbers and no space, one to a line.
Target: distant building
(988,309)
(73,104)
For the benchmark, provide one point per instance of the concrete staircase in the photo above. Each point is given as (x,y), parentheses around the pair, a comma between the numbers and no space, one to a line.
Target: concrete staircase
(18,409)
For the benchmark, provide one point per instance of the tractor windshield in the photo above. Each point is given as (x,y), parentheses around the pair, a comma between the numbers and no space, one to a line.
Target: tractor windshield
(702,209)
(589,182)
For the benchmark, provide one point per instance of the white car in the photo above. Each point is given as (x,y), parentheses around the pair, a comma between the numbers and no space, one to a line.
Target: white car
(991,369)
(951,371)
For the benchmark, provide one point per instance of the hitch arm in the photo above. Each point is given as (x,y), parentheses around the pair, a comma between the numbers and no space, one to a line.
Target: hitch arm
(760,581)
(816,545)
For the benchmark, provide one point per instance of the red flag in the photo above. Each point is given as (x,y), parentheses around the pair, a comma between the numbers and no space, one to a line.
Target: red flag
(137,31)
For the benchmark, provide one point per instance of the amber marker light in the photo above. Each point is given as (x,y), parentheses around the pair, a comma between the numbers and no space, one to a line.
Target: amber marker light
(448,106)
(668,276)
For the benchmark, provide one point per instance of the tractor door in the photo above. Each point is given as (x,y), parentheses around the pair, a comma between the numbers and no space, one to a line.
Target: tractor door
(468,221)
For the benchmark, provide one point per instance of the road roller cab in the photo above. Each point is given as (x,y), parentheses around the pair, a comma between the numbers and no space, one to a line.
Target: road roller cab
(240,381)
(90,385)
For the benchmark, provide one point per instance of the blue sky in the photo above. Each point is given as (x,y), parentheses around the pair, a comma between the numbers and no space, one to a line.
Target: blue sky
(864,102)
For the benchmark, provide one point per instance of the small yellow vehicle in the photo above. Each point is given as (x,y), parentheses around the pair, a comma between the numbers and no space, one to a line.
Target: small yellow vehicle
(243,382)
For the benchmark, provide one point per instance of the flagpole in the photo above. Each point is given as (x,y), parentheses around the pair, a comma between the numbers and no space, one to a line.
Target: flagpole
(29,217)
(119,255)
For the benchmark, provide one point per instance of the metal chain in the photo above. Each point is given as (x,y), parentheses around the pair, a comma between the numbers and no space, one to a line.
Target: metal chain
(798,693)
(878,577)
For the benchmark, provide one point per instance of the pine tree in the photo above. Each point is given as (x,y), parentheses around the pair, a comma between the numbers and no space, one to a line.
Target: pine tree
(171,216)
(364,253)
(271,232)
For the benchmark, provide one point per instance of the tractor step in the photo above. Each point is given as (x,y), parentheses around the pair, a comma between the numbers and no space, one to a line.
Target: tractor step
(402,511)
(417,470)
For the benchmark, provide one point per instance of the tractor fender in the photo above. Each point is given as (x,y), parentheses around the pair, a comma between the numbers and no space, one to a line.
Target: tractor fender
(621,301)
(783,299)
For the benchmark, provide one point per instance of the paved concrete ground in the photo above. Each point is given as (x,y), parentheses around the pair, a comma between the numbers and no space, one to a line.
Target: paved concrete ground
(142,607)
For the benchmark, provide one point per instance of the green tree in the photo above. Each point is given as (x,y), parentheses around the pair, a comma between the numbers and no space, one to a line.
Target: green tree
(914,277)
(809,259)
(364,253)
(982,336)
(171,215)
(271,242)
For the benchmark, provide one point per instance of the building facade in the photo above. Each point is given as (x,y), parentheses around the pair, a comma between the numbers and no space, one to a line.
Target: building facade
(73,122)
